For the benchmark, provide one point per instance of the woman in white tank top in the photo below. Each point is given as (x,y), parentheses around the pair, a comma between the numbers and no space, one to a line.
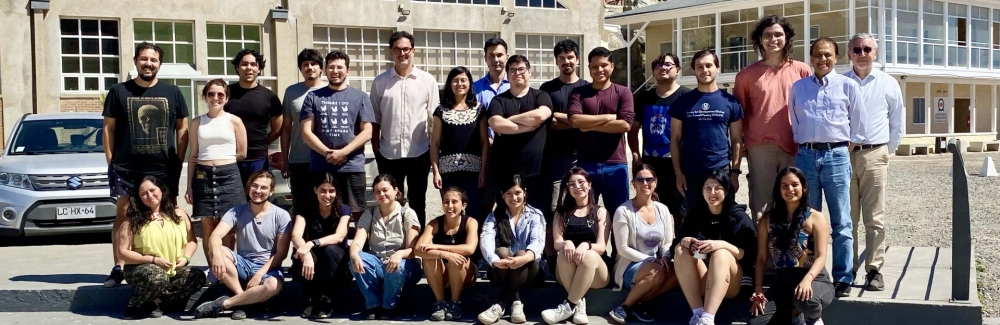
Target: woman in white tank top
(216,141)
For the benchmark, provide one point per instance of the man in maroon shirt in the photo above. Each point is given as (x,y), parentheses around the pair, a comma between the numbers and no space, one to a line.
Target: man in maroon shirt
(603,112)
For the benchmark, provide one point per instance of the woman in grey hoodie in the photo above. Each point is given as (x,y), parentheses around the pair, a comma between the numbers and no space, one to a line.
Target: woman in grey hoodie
(643,230)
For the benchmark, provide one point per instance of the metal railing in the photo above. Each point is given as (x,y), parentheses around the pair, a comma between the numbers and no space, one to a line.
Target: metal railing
(961,233)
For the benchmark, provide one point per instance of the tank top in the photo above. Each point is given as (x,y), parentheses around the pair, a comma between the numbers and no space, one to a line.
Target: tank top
(800,252)
(441,237)
(216,138)
(165,242)
(579,230)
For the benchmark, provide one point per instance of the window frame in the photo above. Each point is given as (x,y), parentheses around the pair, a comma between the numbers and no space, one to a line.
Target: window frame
(227,61)
(528,4)
(168,46)
(541,57)
(81,76)
(477,64)
(359,75)
(919,111)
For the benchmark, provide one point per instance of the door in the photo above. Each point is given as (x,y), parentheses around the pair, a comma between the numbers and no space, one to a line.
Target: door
(962,115)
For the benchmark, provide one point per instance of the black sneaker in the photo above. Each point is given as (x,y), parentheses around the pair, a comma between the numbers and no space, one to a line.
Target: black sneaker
(115,278)
(323,309)
(374,313)
(309,312)
(642,313)
(455,310)
(238,314)
(843,290)
(389,314)
(210,308)
(155,311)
(136,312)
(874,280)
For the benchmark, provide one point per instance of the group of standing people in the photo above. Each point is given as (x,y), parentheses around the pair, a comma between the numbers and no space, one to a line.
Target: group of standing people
(520,171)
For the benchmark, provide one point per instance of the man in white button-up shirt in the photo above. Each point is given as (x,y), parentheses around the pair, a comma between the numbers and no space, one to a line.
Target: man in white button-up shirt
(883,102)
(403,98)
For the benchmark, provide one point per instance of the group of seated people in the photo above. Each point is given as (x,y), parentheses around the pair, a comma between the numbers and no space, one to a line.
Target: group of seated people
(708,255)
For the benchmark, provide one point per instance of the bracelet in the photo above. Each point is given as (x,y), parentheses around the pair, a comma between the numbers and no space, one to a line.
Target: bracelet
(153,260)
(187,258)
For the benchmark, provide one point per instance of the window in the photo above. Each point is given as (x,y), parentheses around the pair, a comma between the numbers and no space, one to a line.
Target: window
(697,33)
(58,136)
(468,2)
(176,39)
(834,17)
(996,39)
(539,4)
(187,89)
(933,33)
(439,52)
(919,111)
(538,49)
(794,14)
(908,46)
(666,47)
(980,38)
(958,53)
(224,41)
(737,27)
(89,54)
(367,47)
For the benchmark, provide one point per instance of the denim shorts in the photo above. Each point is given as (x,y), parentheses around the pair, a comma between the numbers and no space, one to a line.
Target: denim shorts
(215,190)
(629,277)
(245,269)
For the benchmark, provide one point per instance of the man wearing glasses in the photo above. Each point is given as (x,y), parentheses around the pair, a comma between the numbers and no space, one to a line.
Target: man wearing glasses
(603,112)
(403,98)
(762,89)
(652,117)
(520,118)
(882,130)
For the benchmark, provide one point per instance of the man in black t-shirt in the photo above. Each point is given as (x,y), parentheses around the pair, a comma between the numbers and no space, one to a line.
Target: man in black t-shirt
(652,119)
(519,118)
(145,134)
(258,107)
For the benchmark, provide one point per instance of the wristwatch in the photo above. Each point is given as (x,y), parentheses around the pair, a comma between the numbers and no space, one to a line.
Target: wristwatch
(315,242)
(736,171)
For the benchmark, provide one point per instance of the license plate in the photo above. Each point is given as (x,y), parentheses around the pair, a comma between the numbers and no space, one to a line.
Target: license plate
(76,212)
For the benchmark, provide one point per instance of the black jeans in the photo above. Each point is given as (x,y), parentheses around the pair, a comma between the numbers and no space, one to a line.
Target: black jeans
(781,298)
(301,186)
(414,172)
(330,272)
(666,189)
(511,281)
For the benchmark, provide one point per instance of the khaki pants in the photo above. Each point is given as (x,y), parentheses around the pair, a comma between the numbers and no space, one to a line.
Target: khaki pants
(868,186)
(765,162)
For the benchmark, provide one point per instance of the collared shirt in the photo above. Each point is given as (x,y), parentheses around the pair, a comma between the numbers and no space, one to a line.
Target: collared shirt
(403,105)
(882,101)
(387,235)
(485,93)
(529,234)
(763,92)
(827,112)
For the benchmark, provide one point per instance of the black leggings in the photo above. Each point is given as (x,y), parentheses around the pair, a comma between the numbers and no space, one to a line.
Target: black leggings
(511,281)
(781,304)
(330,271)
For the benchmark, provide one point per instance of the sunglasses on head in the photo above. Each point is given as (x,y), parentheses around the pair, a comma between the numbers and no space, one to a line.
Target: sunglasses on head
(866,49)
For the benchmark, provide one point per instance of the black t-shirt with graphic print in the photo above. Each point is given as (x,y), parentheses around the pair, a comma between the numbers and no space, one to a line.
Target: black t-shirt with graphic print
(145,137)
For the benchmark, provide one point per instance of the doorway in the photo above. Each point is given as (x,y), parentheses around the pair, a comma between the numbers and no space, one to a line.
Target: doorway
(962,115)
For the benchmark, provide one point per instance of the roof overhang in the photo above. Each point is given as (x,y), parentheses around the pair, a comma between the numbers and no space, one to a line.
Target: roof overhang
(673,9)
(171,71)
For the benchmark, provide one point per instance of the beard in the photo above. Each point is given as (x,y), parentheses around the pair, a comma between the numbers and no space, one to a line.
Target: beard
(151,75)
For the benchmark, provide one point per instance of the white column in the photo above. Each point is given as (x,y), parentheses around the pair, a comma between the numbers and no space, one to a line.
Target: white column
(993,109)
(806,25)
(718,33)
(895,32)
(972,108)
(906,104)
(968,47)
(678,45)
(951,107)
(946,44)
(851,21)
(920,40)
(928,103)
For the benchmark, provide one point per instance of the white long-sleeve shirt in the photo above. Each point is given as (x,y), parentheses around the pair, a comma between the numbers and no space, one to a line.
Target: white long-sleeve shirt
(882,100)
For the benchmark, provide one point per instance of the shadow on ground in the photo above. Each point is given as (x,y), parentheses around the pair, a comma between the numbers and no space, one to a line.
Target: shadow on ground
(84,239)
(61,278)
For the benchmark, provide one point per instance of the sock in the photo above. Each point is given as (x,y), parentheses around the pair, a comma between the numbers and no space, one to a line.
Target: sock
(571,305)
(698,311)
(708,317)
(116,268)
(627,309)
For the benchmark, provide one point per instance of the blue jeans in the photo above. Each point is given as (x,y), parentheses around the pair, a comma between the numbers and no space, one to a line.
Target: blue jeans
(248,167)
(382,288)
(829,172)
(245,269)
(610,181)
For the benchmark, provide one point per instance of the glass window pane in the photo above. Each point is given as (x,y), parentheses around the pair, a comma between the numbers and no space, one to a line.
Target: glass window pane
(233,32)
(184,53)
(89,27)
(183,32)
(70,46)
(216,49)
(93,83)
(216,67)
(448,39)
(320,34)
(71,65)
(253,46)
(91,65)
(69,27)
(163,32)
(91,46)
(109,28)
(110,65)
(71,83)
(251,32)
(383,37)
(214,31)
(143,31)
(354,35)
(109,81)
(433,39)
(168,54)
(232,48)
(109,46)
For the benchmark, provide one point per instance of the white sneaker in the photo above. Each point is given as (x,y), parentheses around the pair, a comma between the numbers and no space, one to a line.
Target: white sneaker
(695,319)
(702,321)
(558,314)
(517,313)
(818,322)
(491,315)
(799,320)
(580,314)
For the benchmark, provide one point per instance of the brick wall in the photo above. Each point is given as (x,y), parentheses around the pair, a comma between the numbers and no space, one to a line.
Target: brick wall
(80,105)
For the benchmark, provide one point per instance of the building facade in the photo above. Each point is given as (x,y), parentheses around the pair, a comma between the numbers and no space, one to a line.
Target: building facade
(62,55)
(944,54)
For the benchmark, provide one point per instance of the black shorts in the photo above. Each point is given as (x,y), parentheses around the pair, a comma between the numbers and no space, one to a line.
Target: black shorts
(350,187)
(122,182)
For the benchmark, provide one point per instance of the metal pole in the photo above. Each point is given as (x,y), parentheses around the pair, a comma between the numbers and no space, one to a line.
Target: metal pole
(961,233)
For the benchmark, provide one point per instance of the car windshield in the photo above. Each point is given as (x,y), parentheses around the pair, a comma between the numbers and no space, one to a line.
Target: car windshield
(58,137)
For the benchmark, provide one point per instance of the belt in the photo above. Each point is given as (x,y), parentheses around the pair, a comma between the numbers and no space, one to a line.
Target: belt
(868,146)
(824,145)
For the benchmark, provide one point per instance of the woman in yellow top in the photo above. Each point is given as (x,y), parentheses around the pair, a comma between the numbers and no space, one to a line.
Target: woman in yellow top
(157,242)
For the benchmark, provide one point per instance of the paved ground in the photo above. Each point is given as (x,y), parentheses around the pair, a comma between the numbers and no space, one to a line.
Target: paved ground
(71,318)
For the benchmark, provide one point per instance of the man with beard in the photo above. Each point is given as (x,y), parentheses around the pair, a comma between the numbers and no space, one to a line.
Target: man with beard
(294,150)
(492,84)
(263,234)
(403,98)
(603,113)
(705,131)
(652,116)
(258,107)
(762,88)
(336,123)
(560,142)
(130,152)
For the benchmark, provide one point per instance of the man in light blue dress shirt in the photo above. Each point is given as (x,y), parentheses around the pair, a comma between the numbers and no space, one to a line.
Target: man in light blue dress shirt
(826,116)
(882,101)
(492,84)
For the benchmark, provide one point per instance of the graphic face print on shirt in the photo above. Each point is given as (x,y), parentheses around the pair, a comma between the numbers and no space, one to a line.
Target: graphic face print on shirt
(148,124)
(659,123)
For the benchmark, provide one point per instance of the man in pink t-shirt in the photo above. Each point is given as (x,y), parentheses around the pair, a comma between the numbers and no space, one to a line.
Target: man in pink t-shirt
(762,89)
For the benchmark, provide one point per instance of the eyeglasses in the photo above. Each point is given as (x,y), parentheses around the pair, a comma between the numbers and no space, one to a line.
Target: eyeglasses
(520,70)
(644,180)
(664,66)
(712,189)
(773,36)
(213,94)
(866,49)
(401,50)
(577,184)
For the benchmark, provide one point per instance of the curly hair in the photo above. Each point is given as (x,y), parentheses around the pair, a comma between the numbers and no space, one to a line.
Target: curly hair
(256,55)
(139,214)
